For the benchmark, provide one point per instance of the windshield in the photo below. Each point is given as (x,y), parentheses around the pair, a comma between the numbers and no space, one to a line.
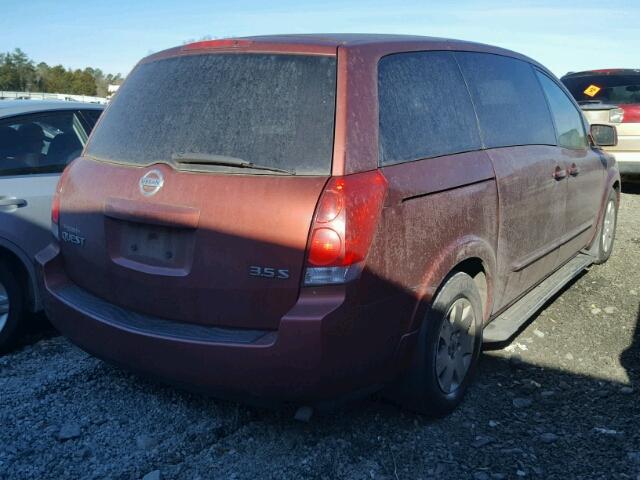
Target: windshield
(616,89)
(267,109)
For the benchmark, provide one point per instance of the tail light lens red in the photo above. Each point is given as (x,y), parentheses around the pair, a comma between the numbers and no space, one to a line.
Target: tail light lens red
(55,215)
(631,113)
(343,227)
(625,114)
(55,204)
(55,208)
(222,43)
(325,247)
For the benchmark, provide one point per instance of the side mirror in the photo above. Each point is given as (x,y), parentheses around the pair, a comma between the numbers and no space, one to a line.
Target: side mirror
(604,135)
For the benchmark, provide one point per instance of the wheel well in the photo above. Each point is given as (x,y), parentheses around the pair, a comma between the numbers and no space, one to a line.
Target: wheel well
(475,269)
(15,265)
(616,186)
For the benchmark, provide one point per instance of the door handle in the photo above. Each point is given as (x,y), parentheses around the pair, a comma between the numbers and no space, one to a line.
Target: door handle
(573,170)
(12,202)
(559,173)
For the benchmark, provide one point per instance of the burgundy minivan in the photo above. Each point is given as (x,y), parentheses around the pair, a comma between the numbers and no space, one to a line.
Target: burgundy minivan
(304,218)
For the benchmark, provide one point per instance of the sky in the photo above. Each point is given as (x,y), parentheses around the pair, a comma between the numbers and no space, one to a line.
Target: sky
(566,35)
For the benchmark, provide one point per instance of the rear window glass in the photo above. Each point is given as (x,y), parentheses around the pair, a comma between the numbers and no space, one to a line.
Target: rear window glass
(272,110)
(510,104)
(617,89)
(425,108)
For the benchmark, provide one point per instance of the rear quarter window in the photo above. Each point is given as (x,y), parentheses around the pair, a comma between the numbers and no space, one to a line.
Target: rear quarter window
(511,107)
(424,108)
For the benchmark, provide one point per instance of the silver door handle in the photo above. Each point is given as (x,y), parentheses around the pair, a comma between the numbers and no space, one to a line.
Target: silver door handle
(12,202)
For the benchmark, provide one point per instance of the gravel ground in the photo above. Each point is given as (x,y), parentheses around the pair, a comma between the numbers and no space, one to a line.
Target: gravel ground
(561,401)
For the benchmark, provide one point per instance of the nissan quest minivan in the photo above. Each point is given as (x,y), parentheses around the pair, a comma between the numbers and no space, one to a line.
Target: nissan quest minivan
(305,218)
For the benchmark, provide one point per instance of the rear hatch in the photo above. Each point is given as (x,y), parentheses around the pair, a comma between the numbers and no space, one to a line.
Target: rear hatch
(195,196)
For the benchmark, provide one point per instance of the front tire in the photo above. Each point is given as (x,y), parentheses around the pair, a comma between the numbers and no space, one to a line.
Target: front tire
(608,225)
(11,308)
(448,350)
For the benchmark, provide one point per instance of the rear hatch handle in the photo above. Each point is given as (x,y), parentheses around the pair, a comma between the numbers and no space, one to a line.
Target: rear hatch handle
(159,214)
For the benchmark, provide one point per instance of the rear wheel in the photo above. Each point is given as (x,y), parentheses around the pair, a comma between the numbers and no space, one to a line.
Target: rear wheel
(608,228)
(448,350)
(11,308)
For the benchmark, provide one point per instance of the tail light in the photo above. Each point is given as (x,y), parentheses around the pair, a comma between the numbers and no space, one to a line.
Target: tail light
(625,114)
(55,205)
(630,113)
(55,215)
(221,43)
(343,228)
(616,115)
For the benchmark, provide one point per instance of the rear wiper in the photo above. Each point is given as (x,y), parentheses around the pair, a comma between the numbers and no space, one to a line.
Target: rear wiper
(224,160)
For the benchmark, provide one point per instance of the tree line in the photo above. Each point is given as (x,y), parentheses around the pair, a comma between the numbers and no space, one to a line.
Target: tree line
(20,73)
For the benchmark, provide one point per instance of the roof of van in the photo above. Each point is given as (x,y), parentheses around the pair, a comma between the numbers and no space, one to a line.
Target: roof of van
(330,40)
(18,107)
(327,42)
(337,39)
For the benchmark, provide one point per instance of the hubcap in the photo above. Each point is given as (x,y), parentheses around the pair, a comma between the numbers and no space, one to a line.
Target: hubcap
(4,307)
(455,345)
(608,226)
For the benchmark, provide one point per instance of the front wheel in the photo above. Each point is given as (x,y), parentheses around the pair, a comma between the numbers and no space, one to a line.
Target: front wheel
(608,228)
(448,350)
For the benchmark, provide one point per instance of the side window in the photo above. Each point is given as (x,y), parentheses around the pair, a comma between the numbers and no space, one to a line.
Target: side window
(568,120)
(90,117)
(509,101)
(39,143)
(425,108)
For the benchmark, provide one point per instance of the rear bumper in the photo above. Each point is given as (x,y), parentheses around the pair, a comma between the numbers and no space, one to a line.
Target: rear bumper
(318,353)
(628,161)
(629,167)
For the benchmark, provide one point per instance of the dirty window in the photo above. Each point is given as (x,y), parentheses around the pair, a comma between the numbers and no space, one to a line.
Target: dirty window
(269,109)
(425,109)
(509,101)
(568,119)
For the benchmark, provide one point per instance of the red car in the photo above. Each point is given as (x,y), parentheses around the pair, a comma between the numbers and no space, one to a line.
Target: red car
(305,218)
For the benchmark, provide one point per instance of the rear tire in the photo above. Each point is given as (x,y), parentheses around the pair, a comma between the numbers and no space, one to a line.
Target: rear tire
(449,345)
(11,308)
(607,230)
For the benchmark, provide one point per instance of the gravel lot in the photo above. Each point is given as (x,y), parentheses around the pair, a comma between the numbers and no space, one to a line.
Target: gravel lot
(561,401)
